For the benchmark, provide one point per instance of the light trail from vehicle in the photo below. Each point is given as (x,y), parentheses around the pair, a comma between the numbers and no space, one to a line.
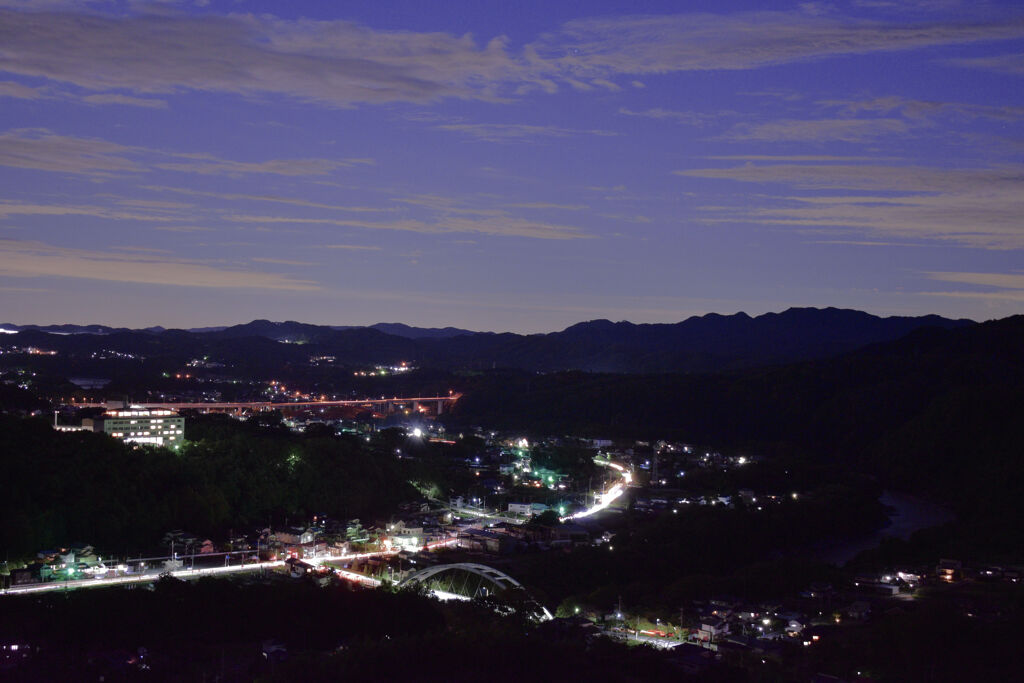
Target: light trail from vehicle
(608,497)
(139,578)
(155,573)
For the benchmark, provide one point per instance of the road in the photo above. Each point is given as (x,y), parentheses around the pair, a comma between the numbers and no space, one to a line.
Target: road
(143,577)
(154,573)
(632,636)
(609,496)
(271,405)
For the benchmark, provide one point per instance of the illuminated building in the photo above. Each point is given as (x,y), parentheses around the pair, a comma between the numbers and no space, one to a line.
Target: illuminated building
(156,426)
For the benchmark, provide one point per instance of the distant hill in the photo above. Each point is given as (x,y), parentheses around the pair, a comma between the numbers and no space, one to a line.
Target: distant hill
(263,328)
(935,411)
(63,329)
(708,343)
(699,344)
(403,330)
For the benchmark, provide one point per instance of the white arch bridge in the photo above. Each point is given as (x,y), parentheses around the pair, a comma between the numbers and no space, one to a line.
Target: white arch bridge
(468,580)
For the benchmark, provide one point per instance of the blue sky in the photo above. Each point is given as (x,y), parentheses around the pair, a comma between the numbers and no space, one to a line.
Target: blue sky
(507,166)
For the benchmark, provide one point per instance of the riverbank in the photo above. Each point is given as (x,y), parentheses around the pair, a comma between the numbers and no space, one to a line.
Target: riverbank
(907,514)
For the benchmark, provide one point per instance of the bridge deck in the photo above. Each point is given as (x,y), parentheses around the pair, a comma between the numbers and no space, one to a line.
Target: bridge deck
(270,405)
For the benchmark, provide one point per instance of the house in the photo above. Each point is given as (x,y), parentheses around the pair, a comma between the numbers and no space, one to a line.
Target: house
(569,534)
(293,536)
(876,588)
(85,553)
(37,572)
(298,568)
(486,540)
(527,509)
(406,537)
(712,629)
(950,570)
(911,577)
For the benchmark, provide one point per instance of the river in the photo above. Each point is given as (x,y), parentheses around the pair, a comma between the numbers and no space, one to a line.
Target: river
(907,514)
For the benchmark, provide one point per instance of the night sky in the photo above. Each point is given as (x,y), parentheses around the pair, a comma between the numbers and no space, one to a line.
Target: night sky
(513,165)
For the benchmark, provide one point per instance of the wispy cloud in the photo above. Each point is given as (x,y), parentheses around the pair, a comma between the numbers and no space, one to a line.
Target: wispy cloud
(37,259)
(182,228)
(292,201)
(994,286)
(688,42)
(690,118)
(127,100)
(154,204)
(1007,64)
(349,247)
(15,208)
(25,92)
(504,226)
(795,157)
(517,132)
(977,207)
(1000,280)
(19,91)
(919,110)
(341,63)
(1010,295)
(868,119)
(44,150)
(331,62)
(281,261)
(817,130)
(548,205)
(207,164)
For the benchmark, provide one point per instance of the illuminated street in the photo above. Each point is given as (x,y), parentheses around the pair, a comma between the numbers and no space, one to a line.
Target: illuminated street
(609,496)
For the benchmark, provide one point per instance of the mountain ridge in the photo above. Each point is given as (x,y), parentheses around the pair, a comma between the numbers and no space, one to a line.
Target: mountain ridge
(707,343)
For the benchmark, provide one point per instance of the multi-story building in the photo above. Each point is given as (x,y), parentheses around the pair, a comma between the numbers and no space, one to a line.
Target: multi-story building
(141,425)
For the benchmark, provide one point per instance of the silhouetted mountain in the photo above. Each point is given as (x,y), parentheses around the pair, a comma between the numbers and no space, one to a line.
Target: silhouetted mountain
(64,329)
(289,330)
(699,344)
(403,330)
(938,410)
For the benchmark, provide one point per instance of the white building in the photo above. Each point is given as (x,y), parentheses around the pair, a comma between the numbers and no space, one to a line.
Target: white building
(156,426)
